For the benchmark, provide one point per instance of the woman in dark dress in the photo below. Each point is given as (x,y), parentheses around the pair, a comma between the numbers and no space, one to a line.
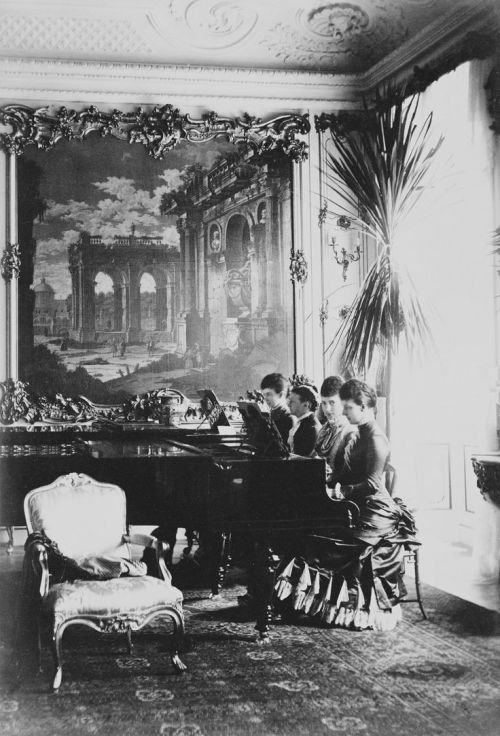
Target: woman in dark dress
(354,580)
(303,436)
(274,388)
(336,431)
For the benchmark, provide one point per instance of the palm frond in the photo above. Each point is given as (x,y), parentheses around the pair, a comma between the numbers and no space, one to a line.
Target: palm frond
(380,167)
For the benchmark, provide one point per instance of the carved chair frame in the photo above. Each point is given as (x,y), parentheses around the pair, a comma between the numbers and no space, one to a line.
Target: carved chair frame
(121,622)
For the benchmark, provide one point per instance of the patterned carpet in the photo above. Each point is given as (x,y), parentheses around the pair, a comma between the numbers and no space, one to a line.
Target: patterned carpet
(436,677)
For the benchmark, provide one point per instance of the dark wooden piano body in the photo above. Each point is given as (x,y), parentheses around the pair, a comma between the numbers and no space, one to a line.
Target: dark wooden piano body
(177,478)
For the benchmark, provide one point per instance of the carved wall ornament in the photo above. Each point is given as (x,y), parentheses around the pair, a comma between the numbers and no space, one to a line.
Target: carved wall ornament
(158,128)
(322,214)
(323,312)
(344,222)
(11,262)
(299,270)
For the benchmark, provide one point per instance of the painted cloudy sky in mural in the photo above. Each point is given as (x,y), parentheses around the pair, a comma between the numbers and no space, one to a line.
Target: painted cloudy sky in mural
(104,186)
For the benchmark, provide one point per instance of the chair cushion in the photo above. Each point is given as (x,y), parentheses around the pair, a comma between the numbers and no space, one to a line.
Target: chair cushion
(110,597)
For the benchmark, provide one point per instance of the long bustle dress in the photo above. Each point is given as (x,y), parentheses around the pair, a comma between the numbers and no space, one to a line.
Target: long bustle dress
(354,579)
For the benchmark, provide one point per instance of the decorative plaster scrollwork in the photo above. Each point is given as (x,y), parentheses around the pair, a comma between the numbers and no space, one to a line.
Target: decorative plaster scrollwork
(223,18)
(299,270)
(11,262)
(339,36)
(158,129)
(276,134)
(338,21)
(207,24)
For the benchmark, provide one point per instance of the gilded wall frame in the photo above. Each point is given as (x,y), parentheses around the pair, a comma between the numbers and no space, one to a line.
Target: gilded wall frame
(244,197)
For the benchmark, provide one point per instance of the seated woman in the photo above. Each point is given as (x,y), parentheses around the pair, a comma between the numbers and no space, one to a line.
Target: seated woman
(336,431)
(354,580)
(303,403)
(274,388)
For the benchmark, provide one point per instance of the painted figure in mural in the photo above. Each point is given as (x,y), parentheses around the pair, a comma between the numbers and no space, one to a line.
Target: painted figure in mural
(196,355)
(274,388)
(188,358)
(123,347)
(303,402)
(215,242)
(239,291)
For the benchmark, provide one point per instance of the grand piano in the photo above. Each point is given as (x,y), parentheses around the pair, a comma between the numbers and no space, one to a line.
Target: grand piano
(218,484)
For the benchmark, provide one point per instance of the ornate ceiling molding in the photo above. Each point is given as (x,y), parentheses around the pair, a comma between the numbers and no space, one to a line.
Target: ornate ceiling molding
(38,79)
(159,129)
(68,34)
(342,36)
(205,24)
(115,83)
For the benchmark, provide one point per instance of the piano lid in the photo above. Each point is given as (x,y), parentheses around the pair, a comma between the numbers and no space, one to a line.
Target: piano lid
(137,448)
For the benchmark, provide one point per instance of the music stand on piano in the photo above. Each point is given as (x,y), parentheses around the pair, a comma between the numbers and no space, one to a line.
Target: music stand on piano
(213,411)
(261,431)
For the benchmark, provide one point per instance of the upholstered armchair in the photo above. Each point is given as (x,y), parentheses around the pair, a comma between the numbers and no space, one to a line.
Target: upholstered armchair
(87,521)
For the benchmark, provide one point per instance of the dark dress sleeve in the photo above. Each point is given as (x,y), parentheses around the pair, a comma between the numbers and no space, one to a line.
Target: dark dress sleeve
(284,423)
(304,439)
(376,453)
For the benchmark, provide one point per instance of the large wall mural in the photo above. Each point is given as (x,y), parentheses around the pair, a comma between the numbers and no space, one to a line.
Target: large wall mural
(147,271)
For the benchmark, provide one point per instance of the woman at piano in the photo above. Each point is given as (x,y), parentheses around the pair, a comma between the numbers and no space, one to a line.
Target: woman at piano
(274,388)
(354,580)
(303,402)
(336,431)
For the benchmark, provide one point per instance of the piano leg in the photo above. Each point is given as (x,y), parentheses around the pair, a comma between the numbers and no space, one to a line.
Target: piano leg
(220,558)
(263,575)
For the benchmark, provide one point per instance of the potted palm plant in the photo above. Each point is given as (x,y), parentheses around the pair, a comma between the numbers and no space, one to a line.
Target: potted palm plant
(377,171)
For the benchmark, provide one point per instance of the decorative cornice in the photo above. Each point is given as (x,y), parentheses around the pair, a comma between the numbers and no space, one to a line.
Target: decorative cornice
(25,78)
(10,264)
(159,129)
(28,78)
(474,45)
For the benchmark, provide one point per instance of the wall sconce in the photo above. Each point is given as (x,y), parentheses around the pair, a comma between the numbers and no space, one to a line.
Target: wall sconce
(344,258)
